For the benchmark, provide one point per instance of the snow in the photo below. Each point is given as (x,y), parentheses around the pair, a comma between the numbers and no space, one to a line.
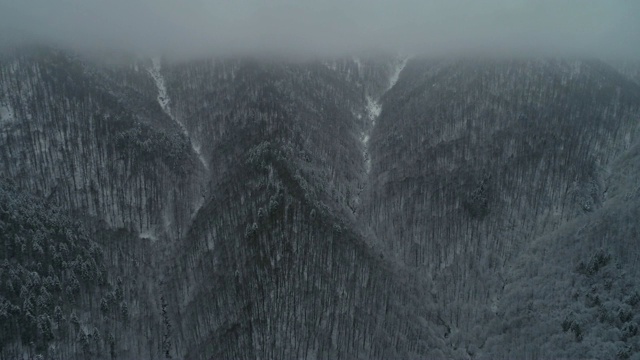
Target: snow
(165,104)
(197,149)
(373,108)
(7,115)
(494,304)
(149,235)
(396,73)
(163,98)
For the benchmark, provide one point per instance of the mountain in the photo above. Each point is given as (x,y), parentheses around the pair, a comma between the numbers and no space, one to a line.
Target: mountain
(484,170)
(373,207)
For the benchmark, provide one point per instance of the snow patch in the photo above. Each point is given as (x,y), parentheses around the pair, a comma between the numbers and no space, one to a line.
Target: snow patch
(396,72)
(149,236)
(197,149)
(163,98)
(7,115)
(165,104)
(373,108)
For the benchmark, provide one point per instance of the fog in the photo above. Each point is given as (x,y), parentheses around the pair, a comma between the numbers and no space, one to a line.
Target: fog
(599,28)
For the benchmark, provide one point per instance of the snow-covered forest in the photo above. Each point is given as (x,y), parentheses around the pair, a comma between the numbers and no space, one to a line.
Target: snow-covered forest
(365,207)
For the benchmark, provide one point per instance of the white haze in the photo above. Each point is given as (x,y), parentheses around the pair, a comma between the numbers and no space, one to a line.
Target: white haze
(599,28)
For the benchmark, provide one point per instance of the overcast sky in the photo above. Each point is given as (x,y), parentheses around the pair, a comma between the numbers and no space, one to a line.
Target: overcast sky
(602,28)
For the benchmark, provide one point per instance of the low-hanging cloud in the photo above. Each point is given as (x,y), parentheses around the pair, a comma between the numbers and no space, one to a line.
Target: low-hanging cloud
(331,27)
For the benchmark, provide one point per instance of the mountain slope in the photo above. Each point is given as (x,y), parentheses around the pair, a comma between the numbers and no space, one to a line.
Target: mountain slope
(474,160)
(287,273)
(85,142)
(217,259)
(573,293)
(371,207)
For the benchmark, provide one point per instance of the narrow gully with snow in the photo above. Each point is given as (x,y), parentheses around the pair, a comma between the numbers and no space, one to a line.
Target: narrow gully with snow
(164,101)
(373,108)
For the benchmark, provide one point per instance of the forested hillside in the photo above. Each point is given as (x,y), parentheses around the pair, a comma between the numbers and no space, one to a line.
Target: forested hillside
(473,160)
(372,207)
(274,265)
(50,272)
(73,135)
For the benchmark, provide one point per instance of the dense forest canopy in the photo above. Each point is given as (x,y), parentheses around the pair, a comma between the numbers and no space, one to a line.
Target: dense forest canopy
(374,206)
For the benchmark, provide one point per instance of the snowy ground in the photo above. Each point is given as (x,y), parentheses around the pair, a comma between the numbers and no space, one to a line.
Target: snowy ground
(6,115)
(149,235)
(165,103)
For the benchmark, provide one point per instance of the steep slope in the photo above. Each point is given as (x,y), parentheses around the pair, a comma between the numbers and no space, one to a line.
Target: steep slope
(473,160)
(369,207)
(78,138)
(49,270)
(91,139)
(574,293)
(259,255)
(155,70)
(275,266)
